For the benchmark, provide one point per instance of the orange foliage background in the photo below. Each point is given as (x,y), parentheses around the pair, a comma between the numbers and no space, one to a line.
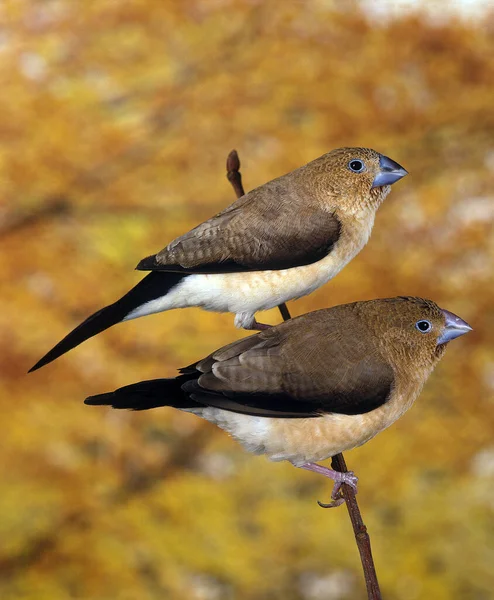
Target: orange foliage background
(116,120)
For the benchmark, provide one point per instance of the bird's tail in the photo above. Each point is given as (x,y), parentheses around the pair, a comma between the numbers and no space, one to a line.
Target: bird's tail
(155,285)
(147,394)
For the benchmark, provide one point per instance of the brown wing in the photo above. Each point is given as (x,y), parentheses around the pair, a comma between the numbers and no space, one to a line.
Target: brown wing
(276,226)
(323,362)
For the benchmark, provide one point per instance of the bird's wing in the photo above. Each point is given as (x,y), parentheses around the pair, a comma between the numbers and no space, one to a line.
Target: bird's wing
(276,226)
(306,367)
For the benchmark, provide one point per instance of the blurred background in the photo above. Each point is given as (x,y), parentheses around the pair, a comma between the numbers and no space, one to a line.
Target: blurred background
(116,119)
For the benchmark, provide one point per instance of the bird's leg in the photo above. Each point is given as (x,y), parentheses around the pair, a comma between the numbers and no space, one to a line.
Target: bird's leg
(339,479)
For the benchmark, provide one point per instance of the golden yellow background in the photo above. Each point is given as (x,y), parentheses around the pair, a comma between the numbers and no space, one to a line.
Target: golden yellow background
(115,122)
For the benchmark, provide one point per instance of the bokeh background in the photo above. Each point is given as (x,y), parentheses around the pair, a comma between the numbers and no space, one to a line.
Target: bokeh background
(115,122)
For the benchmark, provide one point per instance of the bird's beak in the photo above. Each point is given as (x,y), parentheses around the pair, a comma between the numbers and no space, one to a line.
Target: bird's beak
(454,327)
(389,172)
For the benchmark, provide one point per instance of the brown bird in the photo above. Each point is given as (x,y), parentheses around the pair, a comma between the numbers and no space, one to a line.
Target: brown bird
(279,242)
(312,387)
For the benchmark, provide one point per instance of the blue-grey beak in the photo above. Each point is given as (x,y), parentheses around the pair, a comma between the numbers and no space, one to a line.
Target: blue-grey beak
(389,172)
(454,327)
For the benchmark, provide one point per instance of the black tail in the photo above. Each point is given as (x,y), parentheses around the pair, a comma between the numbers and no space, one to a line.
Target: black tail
(147,394)
(153,286)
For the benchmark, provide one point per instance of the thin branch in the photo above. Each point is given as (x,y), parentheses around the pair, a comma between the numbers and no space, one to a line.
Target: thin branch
(233,173)
(338,462)
(285,313)
(360,530)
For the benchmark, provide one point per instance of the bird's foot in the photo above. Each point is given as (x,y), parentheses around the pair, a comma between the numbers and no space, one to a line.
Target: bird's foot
(260,326)
(248,321)
(339,479)
(337,495)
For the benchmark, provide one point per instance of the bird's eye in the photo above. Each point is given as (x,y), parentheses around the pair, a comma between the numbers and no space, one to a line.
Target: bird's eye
(423,326)
(357,166)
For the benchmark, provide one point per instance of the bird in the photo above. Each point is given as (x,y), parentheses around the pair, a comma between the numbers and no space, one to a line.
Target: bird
(276,243)
(311,387)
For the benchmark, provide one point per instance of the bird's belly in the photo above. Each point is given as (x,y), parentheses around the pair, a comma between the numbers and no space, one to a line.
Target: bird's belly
(311,439)
(257,290)
(297,440)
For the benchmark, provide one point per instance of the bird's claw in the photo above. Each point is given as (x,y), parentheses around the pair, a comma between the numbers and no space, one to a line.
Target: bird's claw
(337,495)
(260,326)
(337,502)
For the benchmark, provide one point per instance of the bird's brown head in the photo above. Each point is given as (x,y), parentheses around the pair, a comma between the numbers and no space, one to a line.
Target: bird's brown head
(355,177)
(413,332)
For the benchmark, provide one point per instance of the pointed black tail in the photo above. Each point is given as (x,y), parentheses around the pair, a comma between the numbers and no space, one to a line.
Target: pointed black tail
(155,285)
(148,394)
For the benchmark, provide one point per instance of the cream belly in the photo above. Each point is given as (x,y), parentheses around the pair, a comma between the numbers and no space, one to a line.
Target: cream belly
(310,440)
(246,293)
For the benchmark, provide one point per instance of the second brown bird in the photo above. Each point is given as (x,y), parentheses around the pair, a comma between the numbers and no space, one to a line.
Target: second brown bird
(314,386)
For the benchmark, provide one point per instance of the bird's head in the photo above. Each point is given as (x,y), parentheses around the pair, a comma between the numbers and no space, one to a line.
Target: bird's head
(357,177)
(413,331)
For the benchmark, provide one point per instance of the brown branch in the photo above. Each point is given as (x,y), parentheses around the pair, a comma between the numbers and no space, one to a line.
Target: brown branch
(360,530)
(233,173)
(285,313)
(338,462)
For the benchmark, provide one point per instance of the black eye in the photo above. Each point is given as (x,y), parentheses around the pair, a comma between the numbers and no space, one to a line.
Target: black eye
(357,166)
(423,326)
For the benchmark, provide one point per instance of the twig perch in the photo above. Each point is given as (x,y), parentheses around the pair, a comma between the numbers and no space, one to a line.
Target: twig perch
(338,462)
(361,535)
